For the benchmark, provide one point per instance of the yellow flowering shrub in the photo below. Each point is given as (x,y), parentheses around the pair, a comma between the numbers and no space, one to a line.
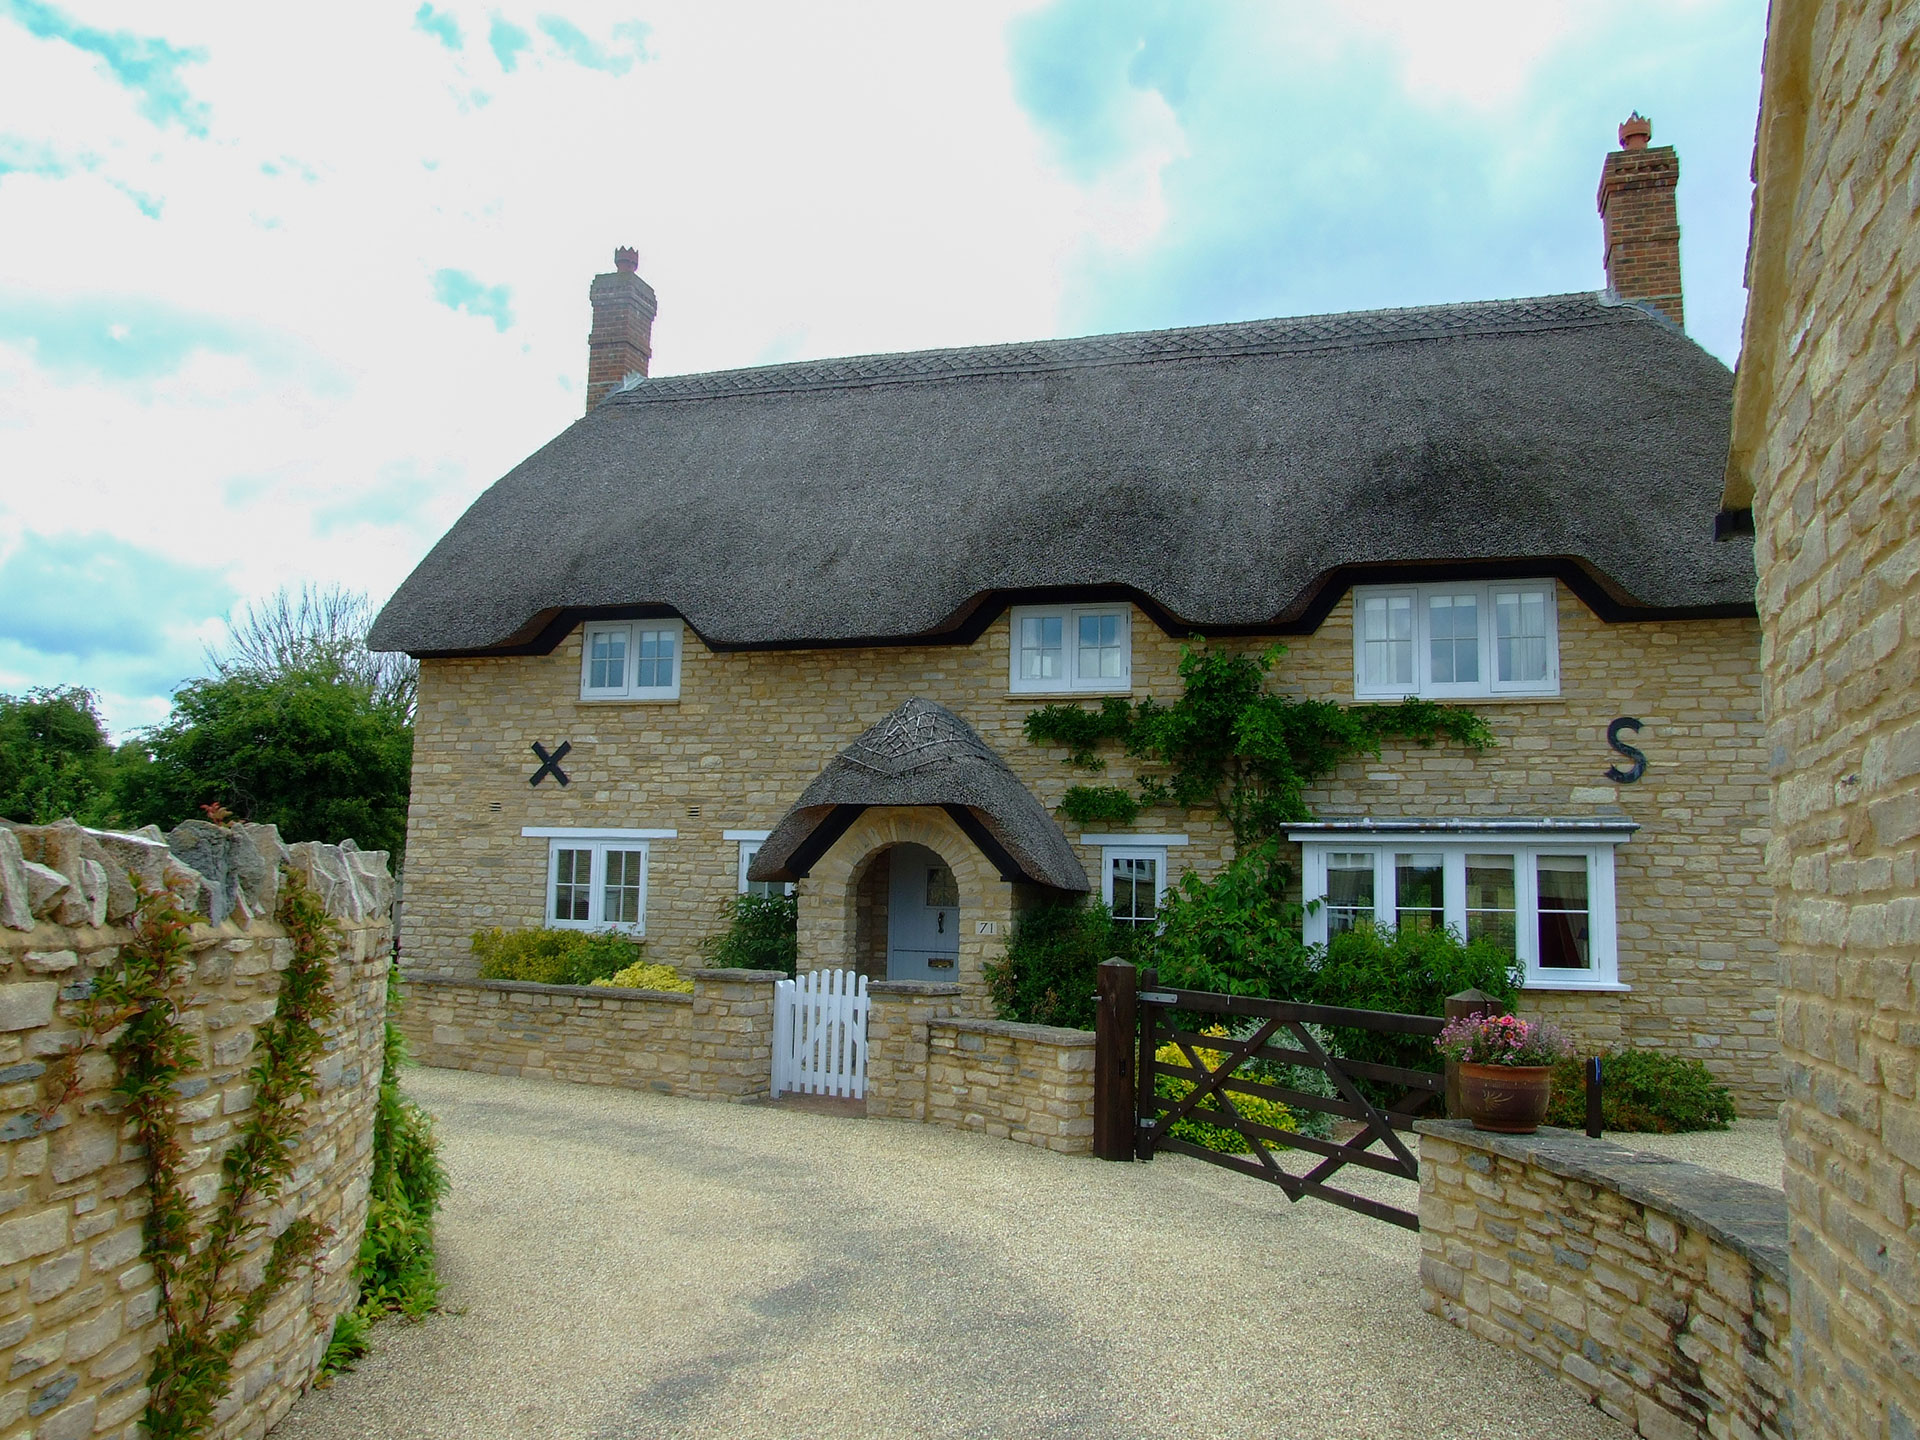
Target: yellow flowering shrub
(1260,1111)
(645,976)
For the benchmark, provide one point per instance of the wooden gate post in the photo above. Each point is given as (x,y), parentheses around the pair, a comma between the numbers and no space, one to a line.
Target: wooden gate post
(1467,1002)
(1113,1063)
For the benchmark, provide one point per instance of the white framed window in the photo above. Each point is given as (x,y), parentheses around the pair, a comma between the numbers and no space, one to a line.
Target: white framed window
(1544,891)
(631,660)
(597,885)
(1133,879)
(750,842)
(1061,649)
(1456,640)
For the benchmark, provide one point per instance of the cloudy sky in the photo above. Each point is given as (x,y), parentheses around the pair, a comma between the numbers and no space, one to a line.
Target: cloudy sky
(282,289)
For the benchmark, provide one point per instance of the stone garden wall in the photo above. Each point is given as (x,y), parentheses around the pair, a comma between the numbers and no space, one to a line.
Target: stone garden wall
(1656,1288)
(77,1301)
(715,1044)
(1031,1083)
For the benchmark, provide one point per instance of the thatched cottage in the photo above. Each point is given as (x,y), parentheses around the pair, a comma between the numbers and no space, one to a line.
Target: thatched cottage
(782,625)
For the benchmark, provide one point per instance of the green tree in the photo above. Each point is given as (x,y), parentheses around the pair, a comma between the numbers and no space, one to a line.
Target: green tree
(55,759)
(311,749)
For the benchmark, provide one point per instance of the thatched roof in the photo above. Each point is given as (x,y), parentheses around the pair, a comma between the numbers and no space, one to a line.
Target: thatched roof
(924,754)
(1227,477)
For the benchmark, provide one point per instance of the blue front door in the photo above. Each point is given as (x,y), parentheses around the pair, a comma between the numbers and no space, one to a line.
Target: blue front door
(923,917)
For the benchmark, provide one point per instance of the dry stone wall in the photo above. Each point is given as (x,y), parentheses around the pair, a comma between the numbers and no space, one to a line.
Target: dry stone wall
(1827,431)
(750,729)
(77,1300)
(1656,1288)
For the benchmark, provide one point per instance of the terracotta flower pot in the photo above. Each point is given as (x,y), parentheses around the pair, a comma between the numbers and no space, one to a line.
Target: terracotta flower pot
(1510,1099)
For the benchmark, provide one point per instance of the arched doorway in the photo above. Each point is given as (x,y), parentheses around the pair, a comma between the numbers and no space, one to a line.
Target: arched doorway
(923,915)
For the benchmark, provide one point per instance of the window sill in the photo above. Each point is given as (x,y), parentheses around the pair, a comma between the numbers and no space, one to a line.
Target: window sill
(1501,697)
(1611,987)
(1067,694)
(629,699)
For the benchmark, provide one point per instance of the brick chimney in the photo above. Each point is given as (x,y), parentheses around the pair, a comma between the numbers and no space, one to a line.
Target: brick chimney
(621,343)
(1638,222)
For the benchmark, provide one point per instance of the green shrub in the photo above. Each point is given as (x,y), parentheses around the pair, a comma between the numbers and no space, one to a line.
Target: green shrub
(394,1272)
(396,1253)
(1255,1108)
(1410,971)
(763,933)
(554,957)
(1050,973)
(645,976)
(1239,934)
(1643,1090)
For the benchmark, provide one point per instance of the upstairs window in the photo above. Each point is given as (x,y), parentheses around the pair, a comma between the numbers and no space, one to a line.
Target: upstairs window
(1059,649)
(1451,641)
(631,660)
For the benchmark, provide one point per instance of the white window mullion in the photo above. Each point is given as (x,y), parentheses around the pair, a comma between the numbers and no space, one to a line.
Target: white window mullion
(1385,889)
(1453,890)
(1604,934)
(1526,919)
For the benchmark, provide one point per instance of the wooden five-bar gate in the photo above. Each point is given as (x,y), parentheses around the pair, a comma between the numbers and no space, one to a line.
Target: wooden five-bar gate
(1132,1119)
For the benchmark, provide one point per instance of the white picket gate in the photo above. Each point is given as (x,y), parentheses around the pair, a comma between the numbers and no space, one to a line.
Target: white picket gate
(820,1034)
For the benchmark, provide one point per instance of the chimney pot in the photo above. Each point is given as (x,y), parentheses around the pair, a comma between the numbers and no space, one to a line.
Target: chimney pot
(1635,132)
(627,260)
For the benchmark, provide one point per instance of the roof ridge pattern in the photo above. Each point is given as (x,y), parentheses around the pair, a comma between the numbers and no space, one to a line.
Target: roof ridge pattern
(1291,335)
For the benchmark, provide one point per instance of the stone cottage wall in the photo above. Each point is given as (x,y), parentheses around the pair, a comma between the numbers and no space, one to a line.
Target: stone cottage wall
(1827,440)
(752,728)
(77,1301)
(1654,1287)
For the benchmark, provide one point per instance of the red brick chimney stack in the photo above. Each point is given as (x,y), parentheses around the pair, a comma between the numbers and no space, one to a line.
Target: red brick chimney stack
(621,343)
(1638,221)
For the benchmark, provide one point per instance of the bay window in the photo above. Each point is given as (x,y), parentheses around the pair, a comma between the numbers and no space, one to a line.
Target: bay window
(1542,889)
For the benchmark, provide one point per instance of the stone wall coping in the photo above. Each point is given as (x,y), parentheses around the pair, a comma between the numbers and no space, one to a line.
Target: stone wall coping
(530,987)
(740,977)
(912,987)
(1014,1030)
(1749,1219)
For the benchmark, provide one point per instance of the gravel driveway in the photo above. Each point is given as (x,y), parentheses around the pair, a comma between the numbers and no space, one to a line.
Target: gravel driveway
(621,1264)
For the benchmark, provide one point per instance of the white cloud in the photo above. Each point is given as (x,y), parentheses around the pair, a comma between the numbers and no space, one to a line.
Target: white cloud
(800,180)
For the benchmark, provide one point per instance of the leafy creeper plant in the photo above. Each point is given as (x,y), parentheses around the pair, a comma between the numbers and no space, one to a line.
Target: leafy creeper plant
(212,1294)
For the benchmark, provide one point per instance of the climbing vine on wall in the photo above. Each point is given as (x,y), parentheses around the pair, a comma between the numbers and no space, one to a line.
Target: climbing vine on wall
(1230,743)
(211,1296)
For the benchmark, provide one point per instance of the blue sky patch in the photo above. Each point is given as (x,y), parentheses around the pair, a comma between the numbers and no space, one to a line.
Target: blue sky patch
(116,337)
(507,40)
(1305,175)
(144,64)
(440,25)
(576,45)
(133,599)
(459,290)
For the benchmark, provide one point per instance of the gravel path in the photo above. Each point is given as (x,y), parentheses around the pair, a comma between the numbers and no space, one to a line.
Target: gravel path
(621,1264)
